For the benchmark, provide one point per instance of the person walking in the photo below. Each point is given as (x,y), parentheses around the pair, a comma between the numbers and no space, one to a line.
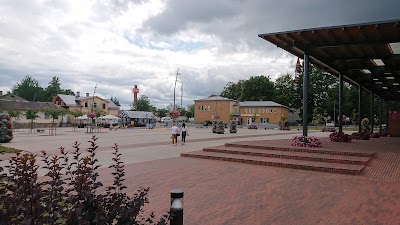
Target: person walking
(184,133)
(175,132)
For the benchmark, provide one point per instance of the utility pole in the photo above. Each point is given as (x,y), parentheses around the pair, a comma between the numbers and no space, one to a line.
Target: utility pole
(181,94)
(176,79)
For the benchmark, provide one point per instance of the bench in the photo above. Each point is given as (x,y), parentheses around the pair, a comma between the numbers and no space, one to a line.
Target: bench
(40,130)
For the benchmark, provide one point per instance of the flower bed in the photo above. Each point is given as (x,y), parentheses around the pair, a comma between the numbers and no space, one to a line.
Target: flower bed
(375,135)
(360,135)
(304,141)
(284,128)
(339,137)
(252,127)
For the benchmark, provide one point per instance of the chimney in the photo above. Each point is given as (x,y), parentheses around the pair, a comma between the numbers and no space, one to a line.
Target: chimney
(1,93)
(87,94)
(78,94)
(261,99)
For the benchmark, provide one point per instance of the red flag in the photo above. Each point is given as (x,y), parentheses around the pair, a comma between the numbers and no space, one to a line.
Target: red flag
(298,66)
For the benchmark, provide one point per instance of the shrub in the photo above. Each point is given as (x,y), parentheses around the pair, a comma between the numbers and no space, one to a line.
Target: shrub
(383,133)
(6,134)
(284,128)
(361,135)
(339,137)
(252,127)
(304,141)
(365,125)
(375,135)
(69,195)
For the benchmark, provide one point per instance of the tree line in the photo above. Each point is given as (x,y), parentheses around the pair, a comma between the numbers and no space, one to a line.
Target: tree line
(29,89)
(288,91)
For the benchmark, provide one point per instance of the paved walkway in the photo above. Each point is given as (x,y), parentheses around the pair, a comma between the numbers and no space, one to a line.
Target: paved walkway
(218,192)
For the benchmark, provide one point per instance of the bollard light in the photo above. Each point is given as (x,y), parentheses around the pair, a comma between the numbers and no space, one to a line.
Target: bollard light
(176,207)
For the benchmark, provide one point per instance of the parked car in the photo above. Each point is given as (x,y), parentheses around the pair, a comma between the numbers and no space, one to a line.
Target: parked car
(207,123)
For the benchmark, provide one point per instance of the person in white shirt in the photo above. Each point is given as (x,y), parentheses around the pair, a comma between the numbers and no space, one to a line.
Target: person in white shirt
(175,131)
(184,133)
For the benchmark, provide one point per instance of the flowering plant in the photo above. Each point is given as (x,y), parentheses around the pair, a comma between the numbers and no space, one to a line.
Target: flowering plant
(174,113)
(284,128)
(304,141)
(252,127)
(339,137)
(360,135)
(6,134)
(375,135)
(91,115)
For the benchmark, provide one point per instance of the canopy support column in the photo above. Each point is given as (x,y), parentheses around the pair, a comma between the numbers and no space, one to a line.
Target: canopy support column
(305,94)
(340,102)
(380,114)
(359,107)
(372,112)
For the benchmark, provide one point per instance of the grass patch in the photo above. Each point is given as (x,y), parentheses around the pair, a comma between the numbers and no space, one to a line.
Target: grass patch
(4,149)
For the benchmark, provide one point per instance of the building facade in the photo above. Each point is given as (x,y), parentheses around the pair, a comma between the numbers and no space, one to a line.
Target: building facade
(216,107)
(86,104)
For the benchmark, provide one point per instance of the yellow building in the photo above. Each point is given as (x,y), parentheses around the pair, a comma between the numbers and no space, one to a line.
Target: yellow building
(216,107)
(261,112)
(213,107)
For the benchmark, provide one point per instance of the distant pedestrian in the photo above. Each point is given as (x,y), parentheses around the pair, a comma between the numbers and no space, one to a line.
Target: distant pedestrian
(184,133)
(175,132)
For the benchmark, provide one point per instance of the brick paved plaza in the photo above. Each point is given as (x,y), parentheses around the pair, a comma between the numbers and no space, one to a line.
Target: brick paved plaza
(222,192)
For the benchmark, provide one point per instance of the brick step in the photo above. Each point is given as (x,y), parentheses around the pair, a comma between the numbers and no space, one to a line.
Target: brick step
(277,162)
(316,157)
(301,149)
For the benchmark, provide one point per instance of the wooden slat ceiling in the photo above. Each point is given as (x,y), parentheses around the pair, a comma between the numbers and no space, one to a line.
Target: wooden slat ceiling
(352,50)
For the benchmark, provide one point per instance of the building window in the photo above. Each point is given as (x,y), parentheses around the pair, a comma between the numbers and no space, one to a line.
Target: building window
(259,110)
(253,110)
(209,108)
(104,106)
(86,104)
(94,105)
(271,110)
(274,110)
(263,110)
(198,108)
(245,110)
(264,120)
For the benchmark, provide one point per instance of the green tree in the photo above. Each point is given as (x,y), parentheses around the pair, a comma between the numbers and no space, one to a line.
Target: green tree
(14,114)
(53,89)
(285,91)
(99,112)
(191,109)
(115,100)
(29,89)
(252,89)
(189,114)
(54,113)
(75,113)
(31,114)
(162,112)
(233,90)
(143,104)
(322,91)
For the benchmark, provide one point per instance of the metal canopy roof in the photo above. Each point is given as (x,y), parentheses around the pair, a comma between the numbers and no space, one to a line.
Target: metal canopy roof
(366,54)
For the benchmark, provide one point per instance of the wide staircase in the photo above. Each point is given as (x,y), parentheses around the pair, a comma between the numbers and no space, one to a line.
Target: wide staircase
(314,159)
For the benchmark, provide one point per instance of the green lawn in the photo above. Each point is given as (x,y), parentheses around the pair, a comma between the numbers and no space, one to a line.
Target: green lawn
(4,149)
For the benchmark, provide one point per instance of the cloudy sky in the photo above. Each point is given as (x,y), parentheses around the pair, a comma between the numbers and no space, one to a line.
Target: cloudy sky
(118,43)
